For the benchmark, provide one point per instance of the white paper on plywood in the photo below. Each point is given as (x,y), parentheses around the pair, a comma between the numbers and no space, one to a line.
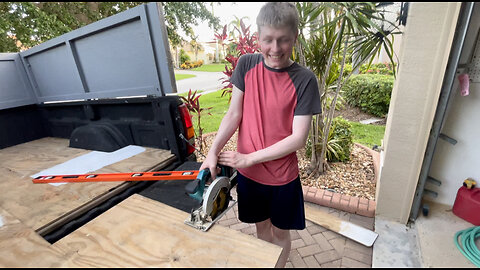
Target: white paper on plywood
(90,162)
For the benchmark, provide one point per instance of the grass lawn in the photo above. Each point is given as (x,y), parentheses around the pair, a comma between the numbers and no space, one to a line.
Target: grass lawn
(179,77)
(367,135)
(210,68)
(219,108)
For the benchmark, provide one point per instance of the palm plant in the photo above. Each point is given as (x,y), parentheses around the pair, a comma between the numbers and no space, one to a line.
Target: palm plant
(333,148)
(235,24)
(336,28)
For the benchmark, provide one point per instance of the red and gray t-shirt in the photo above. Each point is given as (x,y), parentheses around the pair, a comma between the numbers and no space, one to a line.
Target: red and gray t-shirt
(272,97)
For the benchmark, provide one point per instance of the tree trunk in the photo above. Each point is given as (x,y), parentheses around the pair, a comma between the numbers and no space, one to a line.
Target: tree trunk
(321,158)
(316,119)
(329,118)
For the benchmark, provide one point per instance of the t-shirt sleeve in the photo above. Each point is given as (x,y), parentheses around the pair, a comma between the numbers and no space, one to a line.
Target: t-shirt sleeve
(308,97)
(238,76)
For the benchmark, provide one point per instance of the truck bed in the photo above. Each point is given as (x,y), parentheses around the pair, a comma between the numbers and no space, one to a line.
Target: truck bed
(137,232)
(40,205)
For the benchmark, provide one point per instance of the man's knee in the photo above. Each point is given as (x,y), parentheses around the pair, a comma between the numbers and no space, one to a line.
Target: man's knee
(265,225)
(280,233)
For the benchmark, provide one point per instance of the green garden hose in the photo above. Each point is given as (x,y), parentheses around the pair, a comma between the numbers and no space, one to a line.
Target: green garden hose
(468,247)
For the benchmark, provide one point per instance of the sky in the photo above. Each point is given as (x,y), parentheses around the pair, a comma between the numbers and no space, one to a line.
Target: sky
(226,12)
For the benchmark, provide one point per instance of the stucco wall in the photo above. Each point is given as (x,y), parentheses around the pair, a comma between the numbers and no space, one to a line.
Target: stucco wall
(424,52)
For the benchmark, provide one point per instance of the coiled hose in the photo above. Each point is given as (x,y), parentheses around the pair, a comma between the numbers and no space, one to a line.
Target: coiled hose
(467,241)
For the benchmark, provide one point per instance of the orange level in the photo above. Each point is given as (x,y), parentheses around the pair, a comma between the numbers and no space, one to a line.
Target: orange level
(112,177)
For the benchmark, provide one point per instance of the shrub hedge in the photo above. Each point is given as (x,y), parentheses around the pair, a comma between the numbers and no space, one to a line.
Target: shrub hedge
(370,92)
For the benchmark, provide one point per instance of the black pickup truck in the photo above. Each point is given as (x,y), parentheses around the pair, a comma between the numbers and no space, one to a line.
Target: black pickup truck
(104,86)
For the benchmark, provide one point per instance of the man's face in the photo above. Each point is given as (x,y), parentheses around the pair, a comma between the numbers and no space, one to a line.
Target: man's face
(276,45)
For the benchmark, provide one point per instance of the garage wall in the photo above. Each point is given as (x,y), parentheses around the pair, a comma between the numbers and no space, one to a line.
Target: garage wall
(452,164)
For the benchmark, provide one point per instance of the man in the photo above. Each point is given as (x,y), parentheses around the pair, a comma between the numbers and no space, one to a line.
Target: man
(273,100)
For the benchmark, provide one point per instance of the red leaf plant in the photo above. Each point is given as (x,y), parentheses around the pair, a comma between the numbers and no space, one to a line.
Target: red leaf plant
(193,105)
(247,43)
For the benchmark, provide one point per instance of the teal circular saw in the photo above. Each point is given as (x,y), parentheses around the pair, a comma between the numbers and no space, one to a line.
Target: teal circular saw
(215,198)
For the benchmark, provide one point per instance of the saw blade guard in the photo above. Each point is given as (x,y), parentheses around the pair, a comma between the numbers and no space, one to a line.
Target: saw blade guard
(210,203)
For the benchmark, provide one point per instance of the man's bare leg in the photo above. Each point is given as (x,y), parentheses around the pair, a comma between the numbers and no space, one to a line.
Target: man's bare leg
(266,231)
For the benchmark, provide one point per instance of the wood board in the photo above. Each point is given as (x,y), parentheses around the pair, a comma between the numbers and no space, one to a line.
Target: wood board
(20,246)
(140,232)
(36,205)
(357,233)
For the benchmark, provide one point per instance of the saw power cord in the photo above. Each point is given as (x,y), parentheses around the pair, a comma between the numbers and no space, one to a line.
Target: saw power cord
(467,241)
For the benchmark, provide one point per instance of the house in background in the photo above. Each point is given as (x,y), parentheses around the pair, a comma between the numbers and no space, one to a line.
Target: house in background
(205,51)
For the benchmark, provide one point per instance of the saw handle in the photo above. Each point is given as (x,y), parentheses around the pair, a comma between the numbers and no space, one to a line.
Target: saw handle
(197,185)
(193,186)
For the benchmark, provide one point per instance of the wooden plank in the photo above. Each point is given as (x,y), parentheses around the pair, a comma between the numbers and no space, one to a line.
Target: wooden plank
(20,246)
(31,157)
(36,205)
(140,232)
(357,233)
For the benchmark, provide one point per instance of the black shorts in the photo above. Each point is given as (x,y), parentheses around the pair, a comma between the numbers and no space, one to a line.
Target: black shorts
(282,204)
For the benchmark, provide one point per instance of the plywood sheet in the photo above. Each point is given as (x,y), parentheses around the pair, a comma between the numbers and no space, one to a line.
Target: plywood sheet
(31,157)
(36,205)
(20,246)
(140,232)
(357,233)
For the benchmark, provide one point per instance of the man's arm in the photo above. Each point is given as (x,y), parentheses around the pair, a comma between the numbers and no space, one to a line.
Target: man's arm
(228,126)
(297,140)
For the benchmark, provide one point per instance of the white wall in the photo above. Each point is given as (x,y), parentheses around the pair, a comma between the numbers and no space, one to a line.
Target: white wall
(452,164)
(424,54)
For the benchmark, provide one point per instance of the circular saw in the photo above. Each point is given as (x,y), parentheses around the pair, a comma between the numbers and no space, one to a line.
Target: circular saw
(215,201)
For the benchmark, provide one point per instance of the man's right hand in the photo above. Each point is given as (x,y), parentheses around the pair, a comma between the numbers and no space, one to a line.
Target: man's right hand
(211,163)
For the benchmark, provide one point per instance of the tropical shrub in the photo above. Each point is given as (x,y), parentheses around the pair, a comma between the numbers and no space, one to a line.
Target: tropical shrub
(192,101)
(342,136)
(339,142)
(247,43)
(370,92)
(339,33)
(184,56)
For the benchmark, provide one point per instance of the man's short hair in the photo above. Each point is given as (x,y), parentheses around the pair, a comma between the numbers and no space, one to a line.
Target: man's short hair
(278,14)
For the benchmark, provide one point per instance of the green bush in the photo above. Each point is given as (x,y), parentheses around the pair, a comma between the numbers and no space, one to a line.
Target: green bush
(339,142)
(370,92)
(343,137)
(184,56)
